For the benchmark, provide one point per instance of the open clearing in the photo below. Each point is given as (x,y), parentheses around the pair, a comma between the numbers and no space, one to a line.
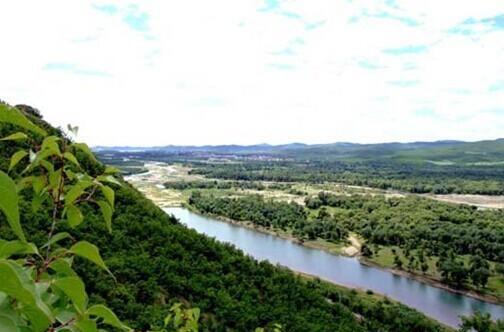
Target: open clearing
(482,201)
(355,246)
(151,184)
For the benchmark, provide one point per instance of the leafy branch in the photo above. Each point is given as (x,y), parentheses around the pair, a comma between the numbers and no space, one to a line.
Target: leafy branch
(42,292)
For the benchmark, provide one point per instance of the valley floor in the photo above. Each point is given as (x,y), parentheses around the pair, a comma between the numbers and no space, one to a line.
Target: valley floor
(151,184)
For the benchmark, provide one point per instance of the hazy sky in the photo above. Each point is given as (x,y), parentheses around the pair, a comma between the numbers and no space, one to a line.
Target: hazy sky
(157,72)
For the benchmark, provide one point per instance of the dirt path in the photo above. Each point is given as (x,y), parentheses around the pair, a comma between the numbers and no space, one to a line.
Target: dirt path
(355,246)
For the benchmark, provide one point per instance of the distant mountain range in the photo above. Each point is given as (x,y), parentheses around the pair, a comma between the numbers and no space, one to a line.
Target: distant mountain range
(449,151)
(234,148)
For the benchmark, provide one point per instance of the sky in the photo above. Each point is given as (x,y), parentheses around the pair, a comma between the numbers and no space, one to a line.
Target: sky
(158,72)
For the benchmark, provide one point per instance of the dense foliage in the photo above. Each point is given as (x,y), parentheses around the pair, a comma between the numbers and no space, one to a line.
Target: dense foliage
(481,323)
(409,177)
(429,227)
(203,184)
(415,222)
(39,288)
(269,214)
(155,259)
(156,262)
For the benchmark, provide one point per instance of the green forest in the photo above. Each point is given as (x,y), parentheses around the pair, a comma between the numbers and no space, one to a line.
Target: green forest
(396,175)
(252,166)
(420,227)
(183,185)
(444,167)
(154,261)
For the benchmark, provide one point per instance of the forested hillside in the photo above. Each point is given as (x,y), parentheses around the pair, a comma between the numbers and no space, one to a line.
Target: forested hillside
(156,261)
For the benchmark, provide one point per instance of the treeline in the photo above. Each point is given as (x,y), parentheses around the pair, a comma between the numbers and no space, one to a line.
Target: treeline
(202,184)
(427,228)
(270,214)
(414,178)
(421,227)
(415,222)
(408,222)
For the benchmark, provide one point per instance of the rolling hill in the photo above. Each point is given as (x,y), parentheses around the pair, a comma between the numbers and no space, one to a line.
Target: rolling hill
(490,152)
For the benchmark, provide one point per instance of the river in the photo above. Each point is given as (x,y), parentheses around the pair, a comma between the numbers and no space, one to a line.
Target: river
(442,305)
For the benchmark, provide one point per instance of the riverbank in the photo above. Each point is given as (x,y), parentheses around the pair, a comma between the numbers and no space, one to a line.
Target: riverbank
(439,304)
(364,294)
(336,249)
(433,282)
(333,248)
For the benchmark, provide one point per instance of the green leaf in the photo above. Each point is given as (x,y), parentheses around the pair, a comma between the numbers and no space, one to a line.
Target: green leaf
(38,184)
(86,325)
(9,248)
(47,165)
(9,204)
(17,283)
(56,238)
(24,183)
(84,148)
(4,301)
(74,288)
(16,158)
(55,179)
(71,158)
(38,320)
(109,179)
(50,147)
(14,116)
(13,283)
(7,324)
(64,315)
(74,216)
(70,174)
(107,315)
(59,252)
(106,211)
(89,251)
(196,312)
(14,137)
(76,191)
(109,194)
(42,288)
(63,266)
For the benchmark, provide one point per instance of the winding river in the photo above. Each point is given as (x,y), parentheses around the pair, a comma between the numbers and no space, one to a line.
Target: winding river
(437,303)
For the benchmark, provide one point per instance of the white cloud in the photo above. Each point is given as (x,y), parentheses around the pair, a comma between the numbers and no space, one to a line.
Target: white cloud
(212,72)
